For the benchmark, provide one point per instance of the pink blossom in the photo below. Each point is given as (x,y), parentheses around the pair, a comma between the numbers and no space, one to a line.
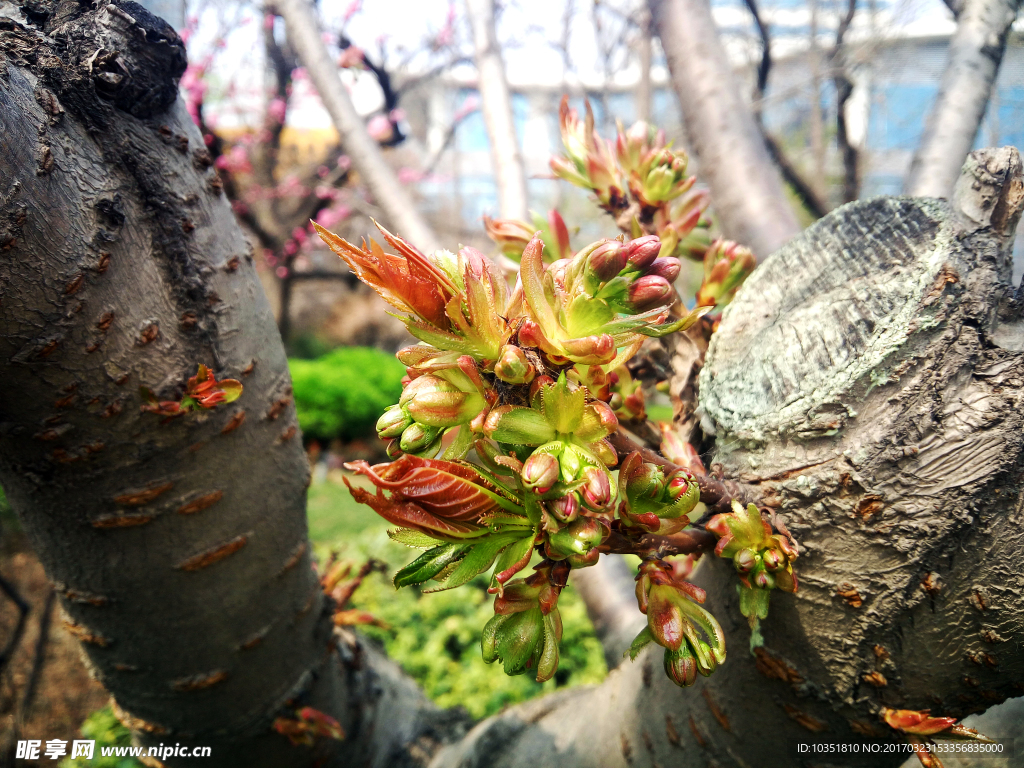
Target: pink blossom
(409,175)
(299,234)
(268,21)
(276,109)
(344,162)
(379,127)
(353,8)
(397,115)
(322,171)
(351,58)
(281,272)
(291,248)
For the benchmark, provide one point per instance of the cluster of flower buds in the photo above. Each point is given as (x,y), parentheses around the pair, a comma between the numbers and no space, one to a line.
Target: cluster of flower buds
(692,638)
(726,266)
(431,404)
(526,629)
(653,502)
(764,560)
(532,379)
(589,161)
(627,395)
(561,426)
(595,308)
(202,392)
(513,235)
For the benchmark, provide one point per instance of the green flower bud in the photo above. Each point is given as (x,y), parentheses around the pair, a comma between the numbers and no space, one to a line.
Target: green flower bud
(680,666)
(513,367)
(745,560)
(540,472)
(417,437)
(393,422)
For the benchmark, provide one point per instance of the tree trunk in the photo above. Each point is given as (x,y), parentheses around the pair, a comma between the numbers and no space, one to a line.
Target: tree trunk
(178,549)
(304,34)
(975,53)
(496,104)
(749,198)
(867,379)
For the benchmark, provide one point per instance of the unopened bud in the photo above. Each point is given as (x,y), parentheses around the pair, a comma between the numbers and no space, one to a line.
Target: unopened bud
(513,367)
(597,488)
(745,560)
(577,538)
(642,252)
(393,422)
(566,508)
(650,291)
(665,266)
(680,666)
(763,579)
(772,559)
(418,437)
(607,260)
(540,472)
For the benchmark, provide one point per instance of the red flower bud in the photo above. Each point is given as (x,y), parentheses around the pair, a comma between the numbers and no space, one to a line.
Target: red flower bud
(650,291)
(665,266)
(566,508)
(607,260)
(642,252)
(540,472)
(597,488)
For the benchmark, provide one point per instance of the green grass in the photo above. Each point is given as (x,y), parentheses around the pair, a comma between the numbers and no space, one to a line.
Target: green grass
(334,516)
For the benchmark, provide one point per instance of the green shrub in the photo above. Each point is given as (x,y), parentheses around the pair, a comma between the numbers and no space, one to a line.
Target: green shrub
(107,730)
(342,393)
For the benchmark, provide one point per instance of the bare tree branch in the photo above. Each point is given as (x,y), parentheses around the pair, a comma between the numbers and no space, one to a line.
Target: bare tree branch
(975,53)
(844,89)
(803,188)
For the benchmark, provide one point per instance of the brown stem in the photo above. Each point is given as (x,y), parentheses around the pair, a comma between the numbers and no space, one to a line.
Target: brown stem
(686,542)
(716,494)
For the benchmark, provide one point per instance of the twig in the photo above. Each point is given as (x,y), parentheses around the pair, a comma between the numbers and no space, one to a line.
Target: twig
(803,189)
(686,542)
(19,629)
(38,660)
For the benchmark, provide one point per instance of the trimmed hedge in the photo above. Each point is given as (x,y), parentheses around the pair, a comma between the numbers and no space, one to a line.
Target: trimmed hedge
(343,393)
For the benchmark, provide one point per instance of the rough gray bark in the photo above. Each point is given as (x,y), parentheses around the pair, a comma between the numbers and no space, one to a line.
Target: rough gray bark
(179,550)
(496,105)
(975,53)
(750,200)
(304,34)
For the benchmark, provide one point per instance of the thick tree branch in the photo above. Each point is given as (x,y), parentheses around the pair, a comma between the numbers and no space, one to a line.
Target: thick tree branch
(975,53)
(749,196)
